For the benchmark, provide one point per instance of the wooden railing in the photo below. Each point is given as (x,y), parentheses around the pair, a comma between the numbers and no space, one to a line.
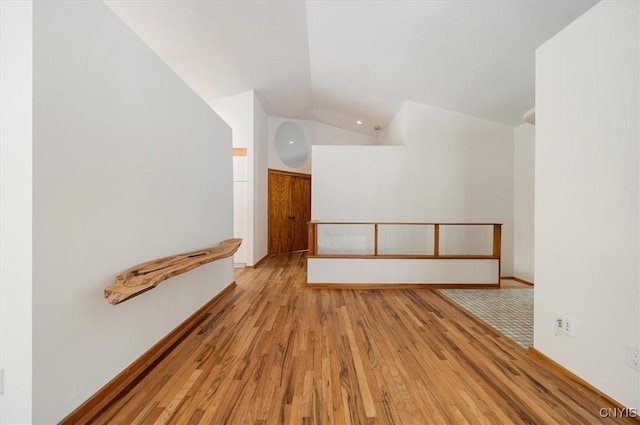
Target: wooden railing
(388,254)
(315,251)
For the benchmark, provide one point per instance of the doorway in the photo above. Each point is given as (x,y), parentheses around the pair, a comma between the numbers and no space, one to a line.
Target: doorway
(289,211)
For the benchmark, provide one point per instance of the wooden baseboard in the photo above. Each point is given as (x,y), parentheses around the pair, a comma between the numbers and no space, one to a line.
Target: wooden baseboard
(551,364)
(401,285)
(134,372)
(517,279)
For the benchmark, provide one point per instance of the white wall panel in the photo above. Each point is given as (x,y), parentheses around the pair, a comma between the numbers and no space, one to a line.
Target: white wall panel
(16,247)
(454,168)
(523,201)
(587,195)
(129,165)
(399,271)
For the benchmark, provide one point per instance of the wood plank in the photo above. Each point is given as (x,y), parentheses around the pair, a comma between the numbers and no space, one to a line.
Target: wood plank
(143,277)
(567,373)
(497,240)
(277,352)
(87,411)
(361,378)
(313,241)
(375,240)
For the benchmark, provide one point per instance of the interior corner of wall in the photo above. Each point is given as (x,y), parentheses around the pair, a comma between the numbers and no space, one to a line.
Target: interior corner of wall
(396,131)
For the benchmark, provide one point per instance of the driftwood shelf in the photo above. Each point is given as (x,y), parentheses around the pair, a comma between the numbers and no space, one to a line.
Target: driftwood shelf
(146,276)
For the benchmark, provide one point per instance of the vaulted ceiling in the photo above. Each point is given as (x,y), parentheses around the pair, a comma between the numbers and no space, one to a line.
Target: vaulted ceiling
(341,61)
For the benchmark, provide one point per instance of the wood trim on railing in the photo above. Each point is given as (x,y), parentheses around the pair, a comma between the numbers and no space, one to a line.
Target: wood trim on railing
(136,371)
(405,256)
(497,240)
(313,241)
(146,276)
(313,238)
(375,239)
(405,222)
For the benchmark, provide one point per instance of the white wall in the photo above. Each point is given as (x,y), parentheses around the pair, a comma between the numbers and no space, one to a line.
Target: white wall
(329,135)
(248,120)
(16,90)
(523,200)
(401,271)
(586,212)
(240,211)
(237,112)
(319,134)
(454,168)
(396,132)
(260,164)
(129,165)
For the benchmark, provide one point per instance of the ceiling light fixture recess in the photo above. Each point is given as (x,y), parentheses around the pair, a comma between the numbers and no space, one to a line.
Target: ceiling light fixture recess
(358,122)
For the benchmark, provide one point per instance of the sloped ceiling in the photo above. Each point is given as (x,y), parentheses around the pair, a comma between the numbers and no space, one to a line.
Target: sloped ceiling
(341,61)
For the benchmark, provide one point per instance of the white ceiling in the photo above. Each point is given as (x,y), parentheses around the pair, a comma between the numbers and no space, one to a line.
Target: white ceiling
(338,61)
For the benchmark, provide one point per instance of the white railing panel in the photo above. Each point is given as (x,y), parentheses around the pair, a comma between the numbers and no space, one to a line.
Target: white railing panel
(345,239)
(466,239)
(405,239)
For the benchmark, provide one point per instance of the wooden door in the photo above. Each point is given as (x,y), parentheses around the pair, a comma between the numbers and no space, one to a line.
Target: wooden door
(289,211)
(300,211)
(279,205)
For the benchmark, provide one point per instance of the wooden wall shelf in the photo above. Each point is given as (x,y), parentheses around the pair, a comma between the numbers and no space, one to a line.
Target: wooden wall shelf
(146,276)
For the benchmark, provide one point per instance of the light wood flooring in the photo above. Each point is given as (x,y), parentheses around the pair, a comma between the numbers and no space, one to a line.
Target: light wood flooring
(275,352)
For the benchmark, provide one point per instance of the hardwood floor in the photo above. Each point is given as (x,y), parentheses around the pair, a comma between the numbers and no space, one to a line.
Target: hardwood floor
(275,352)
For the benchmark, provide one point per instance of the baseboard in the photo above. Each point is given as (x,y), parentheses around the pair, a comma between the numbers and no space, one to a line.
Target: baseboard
(517,279)
(401,285)
(134,372)
(551,364)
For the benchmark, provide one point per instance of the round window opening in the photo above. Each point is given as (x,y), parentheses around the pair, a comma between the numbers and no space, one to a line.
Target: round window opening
(292,144)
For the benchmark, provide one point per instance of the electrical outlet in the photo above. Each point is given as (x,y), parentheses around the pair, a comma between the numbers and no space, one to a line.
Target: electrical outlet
(556,326)
(567,324)
(563,324)
(633,357)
